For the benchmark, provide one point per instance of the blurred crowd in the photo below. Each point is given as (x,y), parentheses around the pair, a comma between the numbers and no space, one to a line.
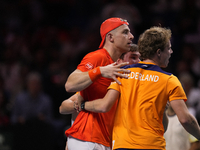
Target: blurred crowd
(42,42)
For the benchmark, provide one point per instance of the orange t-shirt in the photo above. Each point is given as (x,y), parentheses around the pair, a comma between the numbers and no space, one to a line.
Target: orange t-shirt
(143,97)
(90,126)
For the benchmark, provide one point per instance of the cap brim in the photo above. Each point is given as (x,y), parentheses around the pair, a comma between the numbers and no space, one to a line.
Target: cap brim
(102,42)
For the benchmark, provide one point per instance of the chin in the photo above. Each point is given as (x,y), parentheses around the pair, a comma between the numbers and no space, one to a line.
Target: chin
(125,50)
(128,48)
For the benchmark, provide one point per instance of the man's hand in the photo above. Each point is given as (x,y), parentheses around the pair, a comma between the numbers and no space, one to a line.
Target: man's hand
(77,103)
(113,71)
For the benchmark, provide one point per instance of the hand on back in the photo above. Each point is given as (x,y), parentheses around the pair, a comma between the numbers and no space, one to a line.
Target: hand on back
(114,70)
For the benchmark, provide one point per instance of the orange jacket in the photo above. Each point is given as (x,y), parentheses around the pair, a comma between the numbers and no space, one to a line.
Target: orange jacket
(143,97)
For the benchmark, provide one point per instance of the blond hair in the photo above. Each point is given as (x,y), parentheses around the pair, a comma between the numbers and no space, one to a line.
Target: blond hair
(153,39)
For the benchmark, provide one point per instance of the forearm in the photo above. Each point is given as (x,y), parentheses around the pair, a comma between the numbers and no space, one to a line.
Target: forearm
(185,118)
(67,107)
(192,126)
(103,105)
(95,106)
(78,81)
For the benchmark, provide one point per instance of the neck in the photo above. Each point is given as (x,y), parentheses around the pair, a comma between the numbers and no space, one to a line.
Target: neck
(151,61)
(114,54)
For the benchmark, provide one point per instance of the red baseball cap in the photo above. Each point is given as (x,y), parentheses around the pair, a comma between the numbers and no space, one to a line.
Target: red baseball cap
(108,25)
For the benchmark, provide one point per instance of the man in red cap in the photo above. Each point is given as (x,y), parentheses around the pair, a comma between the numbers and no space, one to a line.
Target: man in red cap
(92,77)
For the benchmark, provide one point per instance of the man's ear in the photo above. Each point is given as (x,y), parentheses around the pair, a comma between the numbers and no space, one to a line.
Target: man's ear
(158,52)
(119,60)
(110,37)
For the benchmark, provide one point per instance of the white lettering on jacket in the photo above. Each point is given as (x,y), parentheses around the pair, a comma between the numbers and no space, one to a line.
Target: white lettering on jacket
(142,77)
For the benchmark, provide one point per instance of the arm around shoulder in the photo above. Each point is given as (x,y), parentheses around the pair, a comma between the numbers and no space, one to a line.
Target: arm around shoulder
(103,105)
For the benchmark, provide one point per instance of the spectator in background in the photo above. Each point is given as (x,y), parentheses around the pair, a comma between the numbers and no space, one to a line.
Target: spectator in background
(193,104)
(32,116)
(194,97)
(193,93)
(176,137)
(32,103)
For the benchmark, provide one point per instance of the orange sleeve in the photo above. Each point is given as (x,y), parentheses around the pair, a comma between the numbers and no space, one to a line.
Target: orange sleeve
(91,61)
(115,86)
(175,89)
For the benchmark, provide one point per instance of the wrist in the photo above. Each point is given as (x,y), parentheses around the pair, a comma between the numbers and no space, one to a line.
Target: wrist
(75,106)
(94,74)
(83,105)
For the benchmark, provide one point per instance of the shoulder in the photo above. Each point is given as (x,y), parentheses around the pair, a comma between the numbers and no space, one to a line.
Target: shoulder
(94,59)
(174,82)
(173,78)
(98,54)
